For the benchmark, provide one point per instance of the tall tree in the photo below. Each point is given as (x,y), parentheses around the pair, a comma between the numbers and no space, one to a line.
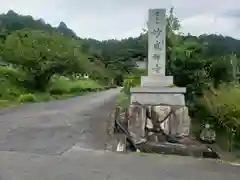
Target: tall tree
(40,55)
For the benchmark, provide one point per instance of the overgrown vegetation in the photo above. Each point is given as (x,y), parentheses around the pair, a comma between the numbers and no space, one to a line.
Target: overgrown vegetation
(208,66)
(39,62)
(220,108)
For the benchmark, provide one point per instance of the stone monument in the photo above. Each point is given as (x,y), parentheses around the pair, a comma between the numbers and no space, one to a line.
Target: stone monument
(156,87)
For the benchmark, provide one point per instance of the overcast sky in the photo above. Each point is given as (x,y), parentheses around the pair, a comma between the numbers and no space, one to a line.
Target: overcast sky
(104,19)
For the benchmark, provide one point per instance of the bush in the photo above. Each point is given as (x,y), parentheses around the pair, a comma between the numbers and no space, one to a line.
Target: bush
(27,98)
(12,75)
(220,108)
(43,96)
(86,85)
(130,82)
(223,105)
(60,85)
(76,89)
(123,100)
(58,91)
(9,91)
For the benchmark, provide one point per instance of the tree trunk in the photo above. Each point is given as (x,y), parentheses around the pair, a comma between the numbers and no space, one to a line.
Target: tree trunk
(41,81)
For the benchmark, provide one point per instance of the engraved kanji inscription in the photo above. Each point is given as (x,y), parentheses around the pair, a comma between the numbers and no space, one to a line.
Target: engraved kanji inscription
(157,68)
(158,45)
(156,57)
(157,17)
(157,32)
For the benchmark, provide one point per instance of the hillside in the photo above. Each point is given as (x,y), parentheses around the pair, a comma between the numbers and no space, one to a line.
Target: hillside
(137,47)
(12,21)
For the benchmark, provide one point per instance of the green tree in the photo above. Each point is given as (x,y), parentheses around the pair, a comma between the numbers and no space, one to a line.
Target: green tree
(220,70)
(40,55)
(172,40)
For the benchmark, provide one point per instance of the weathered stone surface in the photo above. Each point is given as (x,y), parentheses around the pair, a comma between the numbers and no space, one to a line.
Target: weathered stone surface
(176,124)
(159,90)
(208,134)
(137,122)
(158,98)
(177,149)
(156,88)
(156,81)
(149,124)
(156,41)
(162,112)
(184,121)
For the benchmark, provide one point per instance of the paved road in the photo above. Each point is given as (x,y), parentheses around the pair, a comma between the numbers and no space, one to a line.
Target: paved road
(54,127)
(77,164)
(55,141)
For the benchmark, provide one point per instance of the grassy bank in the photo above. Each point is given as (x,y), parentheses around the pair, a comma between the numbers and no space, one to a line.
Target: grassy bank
(59,88)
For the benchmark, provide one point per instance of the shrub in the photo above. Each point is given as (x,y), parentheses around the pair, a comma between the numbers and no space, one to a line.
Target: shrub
(76,89)
(123,99)
(220,108)
(13,75)
(130,82)
(223,105)
(60,85)
(86,85)
(8,90)
(43,96)
(63,85)
(27,98)
(58,90)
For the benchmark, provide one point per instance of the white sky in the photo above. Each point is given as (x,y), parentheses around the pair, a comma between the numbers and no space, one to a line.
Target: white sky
(104,19)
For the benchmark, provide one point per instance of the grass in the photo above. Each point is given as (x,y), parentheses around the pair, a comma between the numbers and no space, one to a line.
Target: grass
(59,88)
(235,162)
(7,103)
(27,98)
(123,99)
(62,85)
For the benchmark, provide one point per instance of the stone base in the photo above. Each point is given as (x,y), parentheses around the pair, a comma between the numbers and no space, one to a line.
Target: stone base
(194,150)
(157,96)
(156,81)
(177,124)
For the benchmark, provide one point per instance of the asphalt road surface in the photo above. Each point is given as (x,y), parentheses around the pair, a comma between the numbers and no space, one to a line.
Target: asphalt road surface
(54,127)
(64,140)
